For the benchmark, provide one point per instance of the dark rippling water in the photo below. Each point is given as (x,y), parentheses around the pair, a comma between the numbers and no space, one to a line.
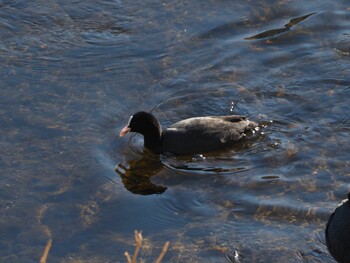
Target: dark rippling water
(72,72)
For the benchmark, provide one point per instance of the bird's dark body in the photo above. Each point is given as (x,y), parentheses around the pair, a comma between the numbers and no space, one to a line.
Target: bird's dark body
(338,233)
(189,136)
(204,134)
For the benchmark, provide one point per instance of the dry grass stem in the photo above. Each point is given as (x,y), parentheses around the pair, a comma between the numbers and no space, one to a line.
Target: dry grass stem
(165,249)
(138,239)
(128,258)
(46,252)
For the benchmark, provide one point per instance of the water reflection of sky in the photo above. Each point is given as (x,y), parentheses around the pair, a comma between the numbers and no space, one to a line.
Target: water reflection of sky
(73,73)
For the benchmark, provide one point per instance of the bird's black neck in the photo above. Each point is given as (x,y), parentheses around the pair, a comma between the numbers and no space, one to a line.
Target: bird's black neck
(152,139)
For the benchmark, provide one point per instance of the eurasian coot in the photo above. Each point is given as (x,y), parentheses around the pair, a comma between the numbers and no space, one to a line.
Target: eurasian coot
(338,233)
(189,136)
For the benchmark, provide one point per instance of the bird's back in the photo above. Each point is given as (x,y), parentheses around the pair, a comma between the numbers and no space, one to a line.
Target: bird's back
(203,134)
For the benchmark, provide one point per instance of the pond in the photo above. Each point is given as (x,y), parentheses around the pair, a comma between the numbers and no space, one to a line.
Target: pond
(72,72)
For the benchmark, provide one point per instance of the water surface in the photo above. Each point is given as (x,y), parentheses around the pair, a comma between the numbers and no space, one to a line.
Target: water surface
(72,72)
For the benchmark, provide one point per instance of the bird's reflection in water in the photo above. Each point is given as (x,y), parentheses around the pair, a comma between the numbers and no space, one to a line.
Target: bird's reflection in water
(137,176)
